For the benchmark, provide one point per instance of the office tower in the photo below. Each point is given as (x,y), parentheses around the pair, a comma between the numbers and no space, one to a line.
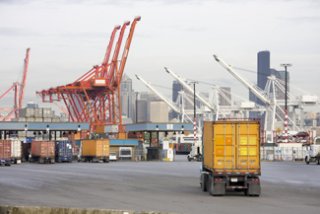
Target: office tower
(127,97)
(158,112)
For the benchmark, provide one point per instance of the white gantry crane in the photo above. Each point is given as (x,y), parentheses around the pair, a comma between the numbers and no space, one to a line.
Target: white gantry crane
(181,111)
(212,108)
(269,102)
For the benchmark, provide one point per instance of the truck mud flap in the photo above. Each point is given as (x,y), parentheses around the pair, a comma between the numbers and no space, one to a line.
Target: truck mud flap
(254,188)
(216,186)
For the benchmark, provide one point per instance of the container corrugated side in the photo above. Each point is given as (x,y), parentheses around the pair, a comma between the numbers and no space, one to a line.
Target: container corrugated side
(43,149)
(16,150)
(63,150)
(232,146)
(95,148)
(5,149)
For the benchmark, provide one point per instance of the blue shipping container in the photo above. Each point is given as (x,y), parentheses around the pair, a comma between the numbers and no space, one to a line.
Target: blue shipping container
(63,151)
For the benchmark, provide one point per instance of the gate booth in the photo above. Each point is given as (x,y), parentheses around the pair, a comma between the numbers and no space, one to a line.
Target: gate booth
(152,136)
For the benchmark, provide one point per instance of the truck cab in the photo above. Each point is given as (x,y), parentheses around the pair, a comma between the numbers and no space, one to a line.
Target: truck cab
(313,151)
(196,151)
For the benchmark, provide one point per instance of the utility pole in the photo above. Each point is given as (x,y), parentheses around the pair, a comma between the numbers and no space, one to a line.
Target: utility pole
(286,100)
(194,112)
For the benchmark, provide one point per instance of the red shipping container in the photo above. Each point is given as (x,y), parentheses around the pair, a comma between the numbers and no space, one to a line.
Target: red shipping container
(5,149)
(43,149)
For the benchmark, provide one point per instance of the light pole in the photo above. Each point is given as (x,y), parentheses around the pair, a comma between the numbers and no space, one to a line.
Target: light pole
(286,100)
(194,113)
(48,132)
(25,132)
(157,134)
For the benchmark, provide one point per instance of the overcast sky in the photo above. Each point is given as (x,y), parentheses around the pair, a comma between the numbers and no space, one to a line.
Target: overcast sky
(68,37)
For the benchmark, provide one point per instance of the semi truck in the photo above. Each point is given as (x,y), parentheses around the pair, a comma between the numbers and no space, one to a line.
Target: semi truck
(313,151)
(42,152)
(63,151)
(95,150)
(5,152)
(231,157)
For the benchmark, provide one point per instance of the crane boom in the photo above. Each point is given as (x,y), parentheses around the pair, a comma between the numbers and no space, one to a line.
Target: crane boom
(126,49)
(114,60)
(24,79)
(171,105)
(109,47)
(186,86)
(249,85)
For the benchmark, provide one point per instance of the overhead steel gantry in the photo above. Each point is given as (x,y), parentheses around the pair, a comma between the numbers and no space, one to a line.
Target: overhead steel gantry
(95,96)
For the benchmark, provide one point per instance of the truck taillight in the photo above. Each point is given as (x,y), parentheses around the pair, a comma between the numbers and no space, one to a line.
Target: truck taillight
(255,180)
(218,180)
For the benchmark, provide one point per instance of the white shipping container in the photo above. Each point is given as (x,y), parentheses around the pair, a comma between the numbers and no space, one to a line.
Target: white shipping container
(22,119)
(38,119)
(55,120)
(46,119)
(31,119)
(15,148)
(38,112)
(47,112)
(28,112)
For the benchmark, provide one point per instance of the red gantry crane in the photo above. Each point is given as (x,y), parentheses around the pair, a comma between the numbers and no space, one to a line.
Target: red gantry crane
(95,96)
(18,90)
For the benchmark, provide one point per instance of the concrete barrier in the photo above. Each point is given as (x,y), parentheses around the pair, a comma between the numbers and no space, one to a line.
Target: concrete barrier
(55,210)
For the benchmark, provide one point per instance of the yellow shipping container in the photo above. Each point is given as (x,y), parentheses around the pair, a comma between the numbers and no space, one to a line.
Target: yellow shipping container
(231,158)
(95,148)
(232,146)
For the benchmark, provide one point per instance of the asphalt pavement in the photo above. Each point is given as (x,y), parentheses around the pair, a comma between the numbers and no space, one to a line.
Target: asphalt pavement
(287,187)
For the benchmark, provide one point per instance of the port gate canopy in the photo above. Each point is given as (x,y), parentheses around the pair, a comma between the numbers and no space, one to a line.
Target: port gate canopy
(40,126)
(159,127)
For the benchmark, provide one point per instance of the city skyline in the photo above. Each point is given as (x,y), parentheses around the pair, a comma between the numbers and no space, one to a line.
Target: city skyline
(68,37)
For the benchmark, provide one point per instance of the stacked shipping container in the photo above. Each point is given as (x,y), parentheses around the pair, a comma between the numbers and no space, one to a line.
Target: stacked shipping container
(5,152)
(16,151)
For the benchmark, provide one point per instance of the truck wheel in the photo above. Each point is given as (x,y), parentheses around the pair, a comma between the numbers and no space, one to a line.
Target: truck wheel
(318,161)
(189,159)
(306,160)
(203,182)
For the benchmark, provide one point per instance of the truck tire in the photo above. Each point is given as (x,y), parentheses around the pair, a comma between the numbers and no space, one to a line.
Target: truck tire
(203,182)
(318,161)
(306,160)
